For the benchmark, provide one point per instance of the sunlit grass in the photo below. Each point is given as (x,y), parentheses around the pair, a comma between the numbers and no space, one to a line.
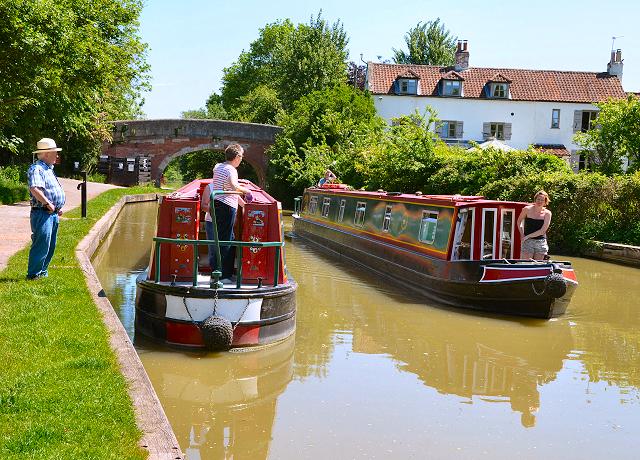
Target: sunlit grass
(62,395)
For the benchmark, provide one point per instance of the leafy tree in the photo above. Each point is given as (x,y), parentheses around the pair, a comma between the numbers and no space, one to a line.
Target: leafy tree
(616,135)
(326,128)
(66,68)
(256,66)
(260,105)
(290,61)
(212,111)
(356,75)
(428,43)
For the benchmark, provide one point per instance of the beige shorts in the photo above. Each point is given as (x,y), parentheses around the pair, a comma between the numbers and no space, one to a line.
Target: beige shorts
(534,246)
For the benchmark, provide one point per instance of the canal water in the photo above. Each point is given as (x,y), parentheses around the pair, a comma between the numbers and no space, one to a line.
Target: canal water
(373,372)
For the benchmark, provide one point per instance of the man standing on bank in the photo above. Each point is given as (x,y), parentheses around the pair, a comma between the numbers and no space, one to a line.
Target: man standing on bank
(47,200)
(225,177)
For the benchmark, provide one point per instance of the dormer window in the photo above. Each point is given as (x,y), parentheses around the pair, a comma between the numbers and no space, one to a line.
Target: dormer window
(406,86)
(499,90)
(498,87)
(452,88)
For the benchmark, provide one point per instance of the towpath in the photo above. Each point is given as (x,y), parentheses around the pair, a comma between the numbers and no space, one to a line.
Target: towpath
(15,228)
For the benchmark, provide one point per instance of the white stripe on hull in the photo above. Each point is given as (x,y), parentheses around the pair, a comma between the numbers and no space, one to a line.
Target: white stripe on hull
(201,309)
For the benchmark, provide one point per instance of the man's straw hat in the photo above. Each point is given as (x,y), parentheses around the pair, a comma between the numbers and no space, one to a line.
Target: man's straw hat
(46,145)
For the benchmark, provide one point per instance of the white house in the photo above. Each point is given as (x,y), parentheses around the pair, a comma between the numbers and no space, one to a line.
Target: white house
(543,108)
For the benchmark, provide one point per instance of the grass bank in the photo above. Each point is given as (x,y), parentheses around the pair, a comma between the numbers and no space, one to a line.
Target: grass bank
(61,392)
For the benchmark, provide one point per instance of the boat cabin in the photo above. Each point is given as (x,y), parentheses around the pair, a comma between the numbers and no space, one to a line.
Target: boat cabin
(180,217)
(447,227)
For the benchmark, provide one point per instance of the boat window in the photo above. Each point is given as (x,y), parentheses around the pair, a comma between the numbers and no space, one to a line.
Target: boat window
(326,204)
(343,204)
(488,233)
(462,247)
(387,219)
(506,236)
(428,227)
(313,205)
(358,218)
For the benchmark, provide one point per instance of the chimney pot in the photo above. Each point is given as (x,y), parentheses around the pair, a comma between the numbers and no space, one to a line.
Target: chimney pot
(462,56)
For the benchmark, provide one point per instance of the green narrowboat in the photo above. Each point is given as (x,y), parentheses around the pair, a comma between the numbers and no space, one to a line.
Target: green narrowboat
(462,251)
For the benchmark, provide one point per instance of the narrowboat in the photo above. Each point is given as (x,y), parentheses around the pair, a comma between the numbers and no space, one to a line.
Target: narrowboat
(461,251)
(181,302)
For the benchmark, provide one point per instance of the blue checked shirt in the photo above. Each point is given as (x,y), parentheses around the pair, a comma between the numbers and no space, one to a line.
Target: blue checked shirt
(41,175)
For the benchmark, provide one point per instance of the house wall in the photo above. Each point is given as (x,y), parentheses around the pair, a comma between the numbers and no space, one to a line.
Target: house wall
(530,121)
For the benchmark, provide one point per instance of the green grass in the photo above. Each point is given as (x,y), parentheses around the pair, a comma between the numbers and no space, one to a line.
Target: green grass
(62,395)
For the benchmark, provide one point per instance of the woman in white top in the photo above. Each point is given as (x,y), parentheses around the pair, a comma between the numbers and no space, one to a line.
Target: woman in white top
(225,177)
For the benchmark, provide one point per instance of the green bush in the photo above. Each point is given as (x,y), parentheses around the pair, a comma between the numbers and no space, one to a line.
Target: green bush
(12,192)
(586,206)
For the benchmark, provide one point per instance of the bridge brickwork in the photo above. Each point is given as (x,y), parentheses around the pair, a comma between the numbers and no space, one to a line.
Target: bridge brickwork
(165,140)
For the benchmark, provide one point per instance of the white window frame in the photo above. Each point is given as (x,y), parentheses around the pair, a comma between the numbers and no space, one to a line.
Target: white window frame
(313,204)
(555,122)
(493,237)
(426,217)
(502,86)
(386,221)
(448,88)
(326,205)
(358,219)
(494,132)
(343,204)
(513,228)
(458,237)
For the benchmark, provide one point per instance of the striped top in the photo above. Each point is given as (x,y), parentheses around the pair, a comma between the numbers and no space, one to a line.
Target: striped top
(224,176)
(41,175)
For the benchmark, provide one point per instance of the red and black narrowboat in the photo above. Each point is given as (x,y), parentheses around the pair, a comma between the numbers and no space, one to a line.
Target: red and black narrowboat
(462,251)
(181,303)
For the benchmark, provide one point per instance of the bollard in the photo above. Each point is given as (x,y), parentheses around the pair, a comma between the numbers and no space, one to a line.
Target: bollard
(82,186)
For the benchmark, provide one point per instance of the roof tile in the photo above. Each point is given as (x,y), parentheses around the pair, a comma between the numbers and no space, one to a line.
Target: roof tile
(525,85)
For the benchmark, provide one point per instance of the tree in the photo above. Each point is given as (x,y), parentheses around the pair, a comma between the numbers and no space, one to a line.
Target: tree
(429,43)
(66,68)
(615,135)
(325,128)
(356,75)
(260,105)
(212,111)
(290,61)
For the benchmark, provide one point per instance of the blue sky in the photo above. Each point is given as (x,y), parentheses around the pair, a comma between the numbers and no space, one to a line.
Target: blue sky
(191,41)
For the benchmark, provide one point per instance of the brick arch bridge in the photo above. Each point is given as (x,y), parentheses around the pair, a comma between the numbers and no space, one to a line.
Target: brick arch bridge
(166,140)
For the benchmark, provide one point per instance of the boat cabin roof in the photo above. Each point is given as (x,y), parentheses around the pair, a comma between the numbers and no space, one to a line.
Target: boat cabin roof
(446,200)
(196,189)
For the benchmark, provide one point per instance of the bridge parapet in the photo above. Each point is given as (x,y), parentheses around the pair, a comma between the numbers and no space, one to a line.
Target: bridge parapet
(161,141)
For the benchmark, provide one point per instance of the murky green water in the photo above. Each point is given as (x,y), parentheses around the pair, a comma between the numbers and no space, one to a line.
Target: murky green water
(375,373)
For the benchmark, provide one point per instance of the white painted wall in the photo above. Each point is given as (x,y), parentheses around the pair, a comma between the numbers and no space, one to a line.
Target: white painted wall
(530,121)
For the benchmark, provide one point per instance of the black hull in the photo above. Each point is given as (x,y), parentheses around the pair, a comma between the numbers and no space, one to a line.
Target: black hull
(173,315)
(457,284)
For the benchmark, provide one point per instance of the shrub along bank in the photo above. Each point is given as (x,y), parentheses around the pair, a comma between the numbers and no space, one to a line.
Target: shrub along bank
(61,392)
(586,206)
(12,188)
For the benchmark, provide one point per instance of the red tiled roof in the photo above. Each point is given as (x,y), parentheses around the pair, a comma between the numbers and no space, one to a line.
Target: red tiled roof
(499,78)
(526,85)
(409,74)
(452,75)
(558,150)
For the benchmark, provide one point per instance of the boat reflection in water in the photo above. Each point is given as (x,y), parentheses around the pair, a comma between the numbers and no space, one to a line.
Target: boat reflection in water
(475,357)
(222,405)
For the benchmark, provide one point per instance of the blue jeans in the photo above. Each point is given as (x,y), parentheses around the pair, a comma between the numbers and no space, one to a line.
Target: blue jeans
(225,218)
(44,232)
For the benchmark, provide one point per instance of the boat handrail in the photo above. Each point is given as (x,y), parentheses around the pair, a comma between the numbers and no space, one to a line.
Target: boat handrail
(278,245)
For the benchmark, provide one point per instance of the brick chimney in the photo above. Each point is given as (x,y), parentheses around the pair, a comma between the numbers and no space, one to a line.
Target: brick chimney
(462,56)
(614,67)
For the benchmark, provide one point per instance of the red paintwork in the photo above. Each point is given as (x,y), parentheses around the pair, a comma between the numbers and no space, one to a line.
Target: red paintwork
(569,275)
(246,335)
(508,273)
(259,220)
(184,334)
